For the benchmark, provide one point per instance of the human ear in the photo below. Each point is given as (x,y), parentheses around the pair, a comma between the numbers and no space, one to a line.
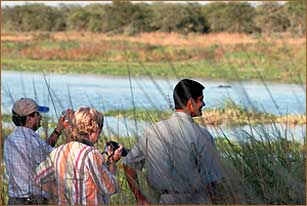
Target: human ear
(190,105)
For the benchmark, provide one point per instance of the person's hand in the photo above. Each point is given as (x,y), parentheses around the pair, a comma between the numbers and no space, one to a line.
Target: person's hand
(68,115)
(60,124)
(118,153)
(65,119)
(115,155)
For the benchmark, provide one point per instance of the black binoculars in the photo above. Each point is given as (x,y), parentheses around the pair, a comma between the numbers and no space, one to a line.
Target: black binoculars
(114,146)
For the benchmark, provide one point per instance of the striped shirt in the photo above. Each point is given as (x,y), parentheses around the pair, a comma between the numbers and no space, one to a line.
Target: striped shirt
(24,150)
(81,175)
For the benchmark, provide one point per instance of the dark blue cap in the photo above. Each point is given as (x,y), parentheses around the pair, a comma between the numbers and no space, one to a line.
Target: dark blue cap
(42,109)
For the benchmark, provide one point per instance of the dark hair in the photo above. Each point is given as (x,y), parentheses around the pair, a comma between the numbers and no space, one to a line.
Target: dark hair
(186,89)
(20,120)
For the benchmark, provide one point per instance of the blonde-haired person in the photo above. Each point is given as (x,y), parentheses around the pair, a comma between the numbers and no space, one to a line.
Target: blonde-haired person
(82,176)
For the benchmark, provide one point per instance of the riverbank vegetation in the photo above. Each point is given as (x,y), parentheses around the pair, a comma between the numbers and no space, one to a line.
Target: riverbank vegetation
(271,171)
(124,17)
(230,41)
(260,165)
(229,113)
(214,56)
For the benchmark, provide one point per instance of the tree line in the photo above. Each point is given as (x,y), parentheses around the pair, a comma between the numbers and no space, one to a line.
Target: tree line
(129,18)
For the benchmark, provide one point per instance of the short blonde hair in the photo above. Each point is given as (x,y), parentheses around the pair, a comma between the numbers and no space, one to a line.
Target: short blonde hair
(86,121)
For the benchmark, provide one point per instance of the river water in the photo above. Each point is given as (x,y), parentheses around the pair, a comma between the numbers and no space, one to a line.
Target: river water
(108,92)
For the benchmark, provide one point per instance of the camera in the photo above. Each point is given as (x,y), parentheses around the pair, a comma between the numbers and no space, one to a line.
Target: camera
(114,146)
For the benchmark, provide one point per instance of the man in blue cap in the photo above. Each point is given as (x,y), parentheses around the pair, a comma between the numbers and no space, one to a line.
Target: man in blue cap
(24,150)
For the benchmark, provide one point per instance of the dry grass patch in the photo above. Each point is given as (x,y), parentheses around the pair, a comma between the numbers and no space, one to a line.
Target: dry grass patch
(191,40)
(17,37)
(232,116)
(157,38)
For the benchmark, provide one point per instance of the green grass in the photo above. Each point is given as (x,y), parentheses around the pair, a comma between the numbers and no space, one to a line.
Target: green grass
(6,118)
(267,60)
(255,172)
(263,172)
(199,69)
(140,114)
(271,171)
(229,114)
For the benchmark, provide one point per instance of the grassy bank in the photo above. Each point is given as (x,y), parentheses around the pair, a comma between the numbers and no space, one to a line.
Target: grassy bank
(271,171)
(229,114)
(255,172)
(214,56)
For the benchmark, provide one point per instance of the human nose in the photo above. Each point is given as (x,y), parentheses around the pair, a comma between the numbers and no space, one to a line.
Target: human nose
(203,103)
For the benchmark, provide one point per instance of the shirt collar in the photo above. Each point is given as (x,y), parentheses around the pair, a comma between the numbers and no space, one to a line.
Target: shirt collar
(25,129)
(183,115)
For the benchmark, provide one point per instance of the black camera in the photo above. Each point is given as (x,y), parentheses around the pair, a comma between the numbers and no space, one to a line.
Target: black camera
(114,146)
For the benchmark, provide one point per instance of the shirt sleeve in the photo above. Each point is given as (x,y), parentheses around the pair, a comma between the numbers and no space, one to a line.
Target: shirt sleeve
(40,150)
(101,175)
(210,163)
(44,172)
(136,158)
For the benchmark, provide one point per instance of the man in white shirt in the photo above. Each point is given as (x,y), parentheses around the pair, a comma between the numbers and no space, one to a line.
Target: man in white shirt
(180,156)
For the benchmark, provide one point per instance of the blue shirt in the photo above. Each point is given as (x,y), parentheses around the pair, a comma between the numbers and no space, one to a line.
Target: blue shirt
(23,151)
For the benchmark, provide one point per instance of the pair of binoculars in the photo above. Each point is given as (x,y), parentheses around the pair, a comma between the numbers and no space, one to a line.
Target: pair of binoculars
(114,146)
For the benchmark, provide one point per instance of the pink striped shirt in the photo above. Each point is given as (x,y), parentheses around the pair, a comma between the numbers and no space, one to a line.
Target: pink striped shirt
(81,175)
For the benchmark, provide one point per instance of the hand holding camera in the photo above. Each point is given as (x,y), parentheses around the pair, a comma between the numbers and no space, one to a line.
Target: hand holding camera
(115,151)
(67,119)
(67,116)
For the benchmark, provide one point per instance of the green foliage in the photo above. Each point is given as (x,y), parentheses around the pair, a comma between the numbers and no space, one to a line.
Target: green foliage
(230,17)
(6,118)
(95,21)
(178,18)
(271,17)
(296,11)
(271,171)
(140,114)
(125,17)
(33,17)
(78,19)
(241,17)
(131,18)
(266,171)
